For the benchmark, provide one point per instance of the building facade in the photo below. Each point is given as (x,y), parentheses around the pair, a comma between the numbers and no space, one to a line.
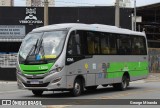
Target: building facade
(6,2)
(39,3)
(150,23)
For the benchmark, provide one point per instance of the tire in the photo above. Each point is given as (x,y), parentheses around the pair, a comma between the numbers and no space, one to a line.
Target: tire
(123,85)
(37,92)
(77,88)
(91,88)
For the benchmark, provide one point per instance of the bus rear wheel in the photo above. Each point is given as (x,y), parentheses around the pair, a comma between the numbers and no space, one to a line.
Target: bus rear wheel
(37,92)
(123,85)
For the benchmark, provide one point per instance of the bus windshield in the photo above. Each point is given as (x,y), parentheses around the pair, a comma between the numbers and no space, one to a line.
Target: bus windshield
(43,45)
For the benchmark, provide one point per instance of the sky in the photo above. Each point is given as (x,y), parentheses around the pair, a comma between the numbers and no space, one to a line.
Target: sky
(89,2)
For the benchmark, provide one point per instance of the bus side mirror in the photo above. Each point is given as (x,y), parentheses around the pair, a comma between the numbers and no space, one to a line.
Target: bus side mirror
(69,52)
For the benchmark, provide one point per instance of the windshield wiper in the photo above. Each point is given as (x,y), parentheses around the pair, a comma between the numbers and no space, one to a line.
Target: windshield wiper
(43,55)
(34,47)
(35,51)
(39,49)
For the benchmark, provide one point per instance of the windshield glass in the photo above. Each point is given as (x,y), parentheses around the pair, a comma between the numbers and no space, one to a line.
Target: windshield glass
(44,45)
(53,43)
(28,43)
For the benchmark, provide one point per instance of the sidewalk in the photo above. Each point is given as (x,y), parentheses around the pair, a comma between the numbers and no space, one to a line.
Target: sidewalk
(8,82)
(153,77)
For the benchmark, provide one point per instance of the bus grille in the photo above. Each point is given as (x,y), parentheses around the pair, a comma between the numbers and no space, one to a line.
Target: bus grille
(34,72)
(36,85)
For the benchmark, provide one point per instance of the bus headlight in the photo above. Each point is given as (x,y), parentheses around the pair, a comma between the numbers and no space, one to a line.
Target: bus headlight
(18,71)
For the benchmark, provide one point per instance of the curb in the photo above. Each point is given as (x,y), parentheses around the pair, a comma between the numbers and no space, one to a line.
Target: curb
(152,80)
(139,81)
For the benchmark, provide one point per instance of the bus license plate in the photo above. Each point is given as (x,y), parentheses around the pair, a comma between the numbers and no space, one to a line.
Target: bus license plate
(34,82)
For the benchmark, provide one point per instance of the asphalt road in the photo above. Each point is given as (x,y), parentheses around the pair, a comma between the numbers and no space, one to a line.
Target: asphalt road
(136,90)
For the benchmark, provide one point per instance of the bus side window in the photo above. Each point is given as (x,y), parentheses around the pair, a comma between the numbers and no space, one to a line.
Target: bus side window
(124,45)
(90,42)
(138,46)
(97,45)
(105,43)
(112,44)
(93,43)
(74,47)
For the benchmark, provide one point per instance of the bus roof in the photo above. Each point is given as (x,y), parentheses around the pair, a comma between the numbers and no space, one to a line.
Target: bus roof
(92,27)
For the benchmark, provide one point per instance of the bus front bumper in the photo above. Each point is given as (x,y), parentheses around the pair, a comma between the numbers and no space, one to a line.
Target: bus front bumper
(50,82)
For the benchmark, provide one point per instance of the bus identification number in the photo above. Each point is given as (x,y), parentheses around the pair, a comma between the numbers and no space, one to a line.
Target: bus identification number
(43,67)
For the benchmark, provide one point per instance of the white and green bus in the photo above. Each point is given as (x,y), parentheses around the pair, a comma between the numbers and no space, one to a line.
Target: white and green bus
(74,57)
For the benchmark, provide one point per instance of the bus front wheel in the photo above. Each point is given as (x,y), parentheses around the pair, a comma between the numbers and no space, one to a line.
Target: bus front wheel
(123,85)
(77,88)
(37,92)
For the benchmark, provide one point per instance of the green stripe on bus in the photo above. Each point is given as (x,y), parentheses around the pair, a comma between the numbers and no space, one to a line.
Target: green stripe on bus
(35,69)
(117,69)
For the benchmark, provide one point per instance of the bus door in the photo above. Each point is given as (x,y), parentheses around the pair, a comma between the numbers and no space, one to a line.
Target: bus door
(74,55)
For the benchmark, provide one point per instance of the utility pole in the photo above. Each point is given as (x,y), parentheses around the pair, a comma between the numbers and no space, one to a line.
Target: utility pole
(135,15)
(46,12)
(117,14)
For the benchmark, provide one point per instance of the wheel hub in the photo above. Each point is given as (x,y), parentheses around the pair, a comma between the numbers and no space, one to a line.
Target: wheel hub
(77,88)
